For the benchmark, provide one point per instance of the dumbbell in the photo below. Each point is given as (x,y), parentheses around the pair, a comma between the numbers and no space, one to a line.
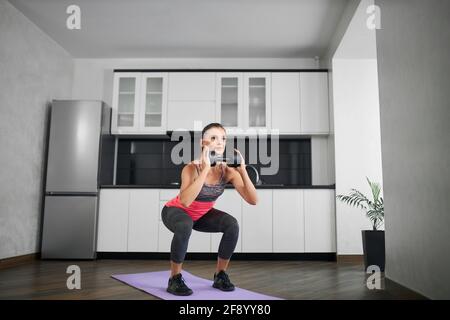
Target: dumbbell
(234,161)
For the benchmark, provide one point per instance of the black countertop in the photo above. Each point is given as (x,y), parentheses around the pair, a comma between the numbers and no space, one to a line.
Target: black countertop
(228,186)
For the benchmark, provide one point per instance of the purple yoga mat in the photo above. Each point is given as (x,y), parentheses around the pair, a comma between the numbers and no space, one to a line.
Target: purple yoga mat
(155,283)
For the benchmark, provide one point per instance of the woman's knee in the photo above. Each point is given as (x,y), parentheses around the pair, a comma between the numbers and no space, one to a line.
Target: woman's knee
(231,225)
(183,228)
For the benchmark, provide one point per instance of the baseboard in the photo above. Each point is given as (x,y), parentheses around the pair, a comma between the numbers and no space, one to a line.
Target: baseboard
(320,256)
(350,258)
(19,260)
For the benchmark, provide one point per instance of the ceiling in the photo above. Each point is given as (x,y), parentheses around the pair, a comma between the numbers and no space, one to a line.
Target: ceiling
(189,28)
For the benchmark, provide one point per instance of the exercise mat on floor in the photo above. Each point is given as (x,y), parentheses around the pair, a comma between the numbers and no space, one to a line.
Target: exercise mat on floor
(155,283)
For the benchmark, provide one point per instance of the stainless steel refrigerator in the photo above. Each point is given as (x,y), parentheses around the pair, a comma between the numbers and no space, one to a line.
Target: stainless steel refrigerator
(80,158)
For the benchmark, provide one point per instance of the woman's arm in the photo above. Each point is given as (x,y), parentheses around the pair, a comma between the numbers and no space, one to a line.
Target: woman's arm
(190,187)
(242,182)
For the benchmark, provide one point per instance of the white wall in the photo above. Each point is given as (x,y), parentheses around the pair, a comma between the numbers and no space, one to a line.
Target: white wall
(355,111)
(327,172)
(33,71)
(357,143)
(93,78)
(414,72)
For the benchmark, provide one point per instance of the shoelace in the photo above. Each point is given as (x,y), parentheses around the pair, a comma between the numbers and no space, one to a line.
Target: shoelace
(180,282)
(225,278)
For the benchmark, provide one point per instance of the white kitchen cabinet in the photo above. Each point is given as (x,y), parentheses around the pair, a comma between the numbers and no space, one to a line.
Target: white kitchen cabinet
(168,194)
(192,86)
(230,202)
(143,220)
(314,112)
(257,223)
(320,230)
(229,99)
(112,234)
(199,242)
(288,221)
(153,103)
(243,100)
(126,100)
(284,220)
(257,100)
(183,114)
(139,103)
(286,102)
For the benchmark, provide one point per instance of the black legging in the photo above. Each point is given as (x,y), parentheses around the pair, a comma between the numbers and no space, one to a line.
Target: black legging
(181,224)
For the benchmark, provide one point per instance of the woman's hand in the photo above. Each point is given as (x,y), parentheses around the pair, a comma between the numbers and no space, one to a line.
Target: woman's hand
(242,165)
(204,162)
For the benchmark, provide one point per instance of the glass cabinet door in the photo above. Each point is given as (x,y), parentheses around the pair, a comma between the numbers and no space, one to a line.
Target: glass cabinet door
(257,103)
(125,102)
(153,101)
(229,105)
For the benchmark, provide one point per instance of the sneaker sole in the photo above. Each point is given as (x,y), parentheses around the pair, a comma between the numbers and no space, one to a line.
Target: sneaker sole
(180,293)
(223,289)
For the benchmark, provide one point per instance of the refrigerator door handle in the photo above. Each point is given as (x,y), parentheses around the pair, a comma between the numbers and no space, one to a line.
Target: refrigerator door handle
(72,194)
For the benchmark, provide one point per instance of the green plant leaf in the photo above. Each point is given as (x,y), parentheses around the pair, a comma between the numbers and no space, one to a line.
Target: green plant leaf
(374,208)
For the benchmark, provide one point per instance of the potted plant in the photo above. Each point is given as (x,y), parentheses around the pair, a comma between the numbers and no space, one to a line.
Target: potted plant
(373,240)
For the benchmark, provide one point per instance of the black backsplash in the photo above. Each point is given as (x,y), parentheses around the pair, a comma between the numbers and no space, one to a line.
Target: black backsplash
(147,162)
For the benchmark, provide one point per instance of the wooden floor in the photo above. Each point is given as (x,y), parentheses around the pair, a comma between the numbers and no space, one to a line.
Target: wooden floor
(284,279)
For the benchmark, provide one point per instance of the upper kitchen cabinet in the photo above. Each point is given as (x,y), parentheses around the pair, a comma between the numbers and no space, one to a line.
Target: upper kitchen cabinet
(314,117)
(229,103)
(125,112)
(257,101)
(139,103)
(300,102)
(192,86)
(286,102)
(183,114)
(243,100)
(192,97)
(153,102)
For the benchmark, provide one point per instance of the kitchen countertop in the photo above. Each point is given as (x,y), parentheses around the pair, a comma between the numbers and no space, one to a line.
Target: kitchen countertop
(228,186)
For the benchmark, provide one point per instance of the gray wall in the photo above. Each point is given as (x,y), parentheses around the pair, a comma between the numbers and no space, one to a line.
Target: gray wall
(414,76)
(341,28)
(33,70)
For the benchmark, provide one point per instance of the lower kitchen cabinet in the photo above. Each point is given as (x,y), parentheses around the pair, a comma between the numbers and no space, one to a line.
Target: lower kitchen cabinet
(257,223)
(288,220)
(112,233)
(143,220)
(320,221)
(199,242)
(127,220)
(284,220)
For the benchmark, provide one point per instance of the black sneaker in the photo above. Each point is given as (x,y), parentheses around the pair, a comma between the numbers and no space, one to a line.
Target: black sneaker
(222,282)
(178,287)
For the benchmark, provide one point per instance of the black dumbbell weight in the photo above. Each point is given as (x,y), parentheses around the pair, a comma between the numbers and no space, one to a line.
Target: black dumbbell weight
(234,161)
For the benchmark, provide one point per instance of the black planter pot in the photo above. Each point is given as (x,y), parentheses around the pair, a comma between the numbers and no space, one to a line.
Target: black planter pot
(373,247)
